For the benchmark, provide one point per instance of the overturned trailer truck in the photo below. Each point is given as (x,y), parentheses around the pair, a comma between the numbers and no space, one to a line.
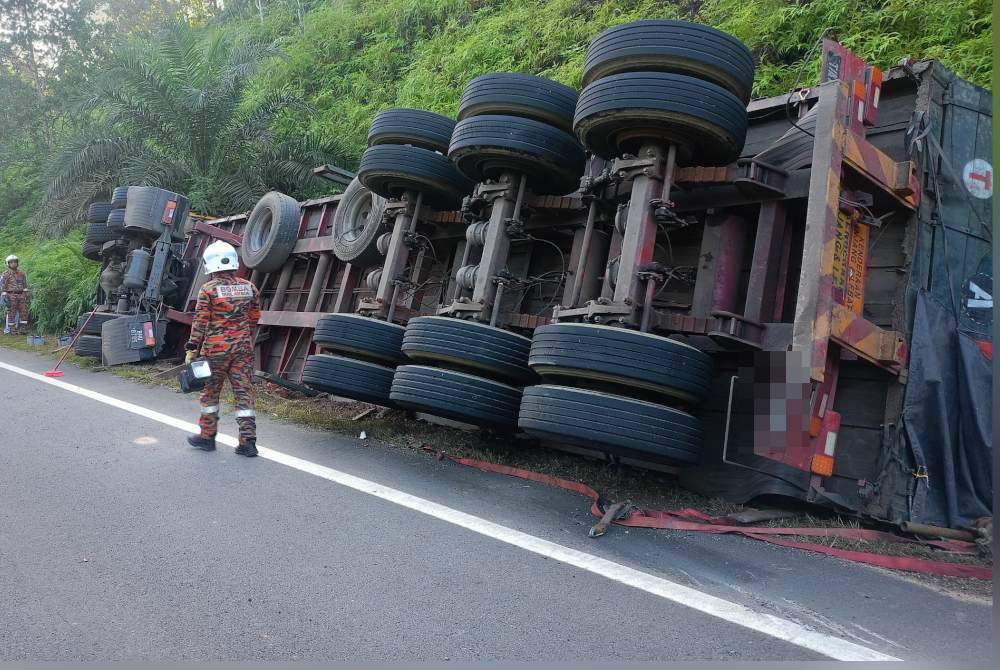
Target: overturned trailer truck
(791,297)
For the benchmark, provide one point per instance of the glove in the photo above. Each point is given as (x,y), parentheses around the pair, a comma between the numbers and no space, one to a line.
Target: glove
(190,356)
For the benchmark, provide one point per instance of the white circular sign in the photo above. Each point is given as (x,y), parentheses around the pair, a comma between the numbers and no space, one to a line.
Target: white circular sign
(978,176)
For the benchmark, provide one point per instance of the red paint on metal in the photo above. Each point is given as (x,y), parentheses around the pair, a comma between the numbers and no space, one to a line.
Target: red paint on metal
(180,317)
(218,233)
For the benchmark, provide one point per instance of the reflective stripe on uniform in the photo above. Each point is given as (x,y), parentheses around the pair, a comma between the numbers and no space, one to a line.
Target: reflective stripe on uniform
(245,412)
(211,409)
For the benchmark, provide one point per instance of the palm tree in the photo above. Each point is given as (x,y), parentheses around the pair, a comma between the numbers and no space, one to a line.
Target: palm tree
(180,114)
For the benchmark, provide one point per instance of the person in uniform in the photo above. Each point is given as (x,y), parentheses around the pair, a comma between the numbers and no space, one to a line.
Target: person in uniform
(14,287)
(222,332)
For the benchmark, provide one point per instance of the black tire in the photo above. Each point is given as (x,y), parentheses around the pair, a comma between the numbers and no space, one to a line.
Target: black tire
(680,47)
(361,337)
(457,396)
(524,95)
(617,114)
(93,327)
(348,378)
(484,146)
(98,233)
(357,224)
(98,212)
(116,221)
(620,357)
(146,208)
(119,197)
(271,232)
(88,346)
(416,127)
(469,345)
(390,170)
(610,423)
(794,149)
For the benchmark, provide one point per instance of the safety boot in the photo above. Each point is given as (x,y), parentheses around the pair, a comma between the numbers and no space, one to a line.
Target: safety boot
(203,443)
(248,448)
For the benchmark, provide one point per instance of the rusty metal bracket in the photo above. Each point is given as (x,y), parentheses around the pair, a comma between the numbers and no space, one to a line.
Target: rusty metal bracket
(629,167)
(760,179)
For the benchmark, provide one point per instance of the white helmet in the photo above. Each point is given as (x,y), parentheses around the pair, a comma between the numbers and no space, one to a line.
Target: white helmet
(10,258)
(220,257)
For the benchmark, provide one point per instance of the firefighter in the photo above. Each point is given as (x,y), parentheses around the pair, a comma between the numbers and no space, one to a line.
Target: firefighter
(14,287)
(222,332)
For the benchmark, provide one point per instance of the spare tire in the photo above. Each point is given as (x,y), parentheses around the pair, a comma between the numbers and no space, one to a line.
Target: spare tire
(524,95)
(482,147)
(357,223)
(416,127)
(390,170)
(148,205)
(88,346)
(625,358)
(119,197)
(271,232)
(619,113)
(361,336)
(680,47)
(98,212)
(116,221)
(93,327)
(610,423)
(457,396)
(477,347)
(348,378)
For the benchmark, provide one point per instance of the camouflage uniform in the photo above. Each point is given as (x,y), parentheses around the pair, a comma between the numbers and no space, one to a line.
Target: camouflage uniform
(15,284)
(227,312)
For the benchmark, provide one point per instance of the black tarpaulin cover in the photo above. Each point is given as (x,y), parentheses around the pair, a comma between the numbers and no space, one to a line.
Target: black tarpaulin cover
(947,414)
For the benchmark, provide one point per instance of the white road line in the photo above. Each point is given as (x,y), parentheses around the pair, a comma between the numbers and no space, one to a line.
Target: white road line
(776,627)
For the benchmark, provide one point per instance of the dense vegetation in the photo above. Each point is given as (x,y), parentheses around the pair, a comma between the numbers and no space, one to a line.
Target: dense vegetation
(224,100)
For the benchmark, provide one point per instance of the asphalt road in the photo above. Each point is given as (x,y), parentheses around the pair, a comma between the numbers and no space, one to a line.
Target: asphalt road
(118,542)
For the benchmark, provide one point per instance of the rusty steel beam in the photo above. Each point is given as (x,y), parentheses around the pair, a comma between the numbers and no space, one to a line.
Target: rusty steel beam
(812,324)
(290,319)
(313,245)
(218,233)
(885,348)
(348,283)
(765,268)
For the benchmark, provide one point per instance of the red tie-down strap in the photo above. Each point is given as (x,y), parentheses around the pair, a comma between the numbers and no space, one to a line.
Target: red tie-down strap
(692,520)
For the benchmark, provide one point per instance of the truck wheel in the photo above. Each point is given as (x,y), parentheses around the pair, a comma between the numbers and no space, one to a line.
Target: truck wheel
(618,113)
(456,395)
(348,378)
(484,146)
(116,221)
(610,423)
(469,345)
(98,212)
(361,336)
(357,223)
(94,238)
(119,197)
(524,95)
(390,170)
(146,207)
(620,357)
(679,47)
(271,232)
(416,127)
(88,346)
(98,320)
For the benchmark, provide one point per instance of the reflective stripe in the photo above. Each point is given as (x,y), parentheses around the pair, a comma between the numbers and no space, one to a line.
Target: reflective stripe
(212,409)
(245,412)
